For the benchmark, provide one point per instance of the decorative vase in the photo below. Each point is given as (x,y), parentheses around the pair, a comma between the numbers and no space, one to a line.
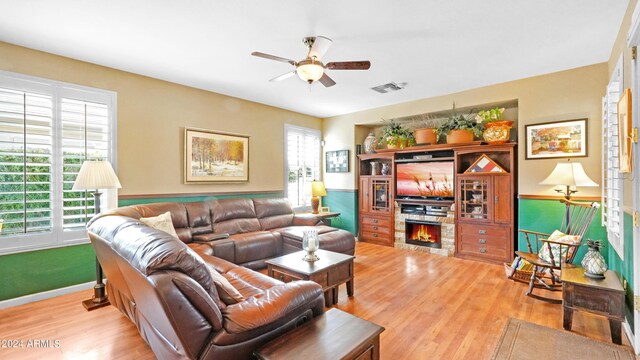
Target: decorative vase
(425,136)
(369,144)
(386,169)
(310,243)
(374,168)
(593,261)
(459,136)
(497,132)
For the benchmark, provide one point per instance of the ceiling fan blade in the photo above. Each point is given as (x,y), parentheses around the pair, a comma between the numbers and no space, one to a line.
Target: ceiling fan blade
(349,65)
(273,57)
(320,46)
(284,76)
(326,80)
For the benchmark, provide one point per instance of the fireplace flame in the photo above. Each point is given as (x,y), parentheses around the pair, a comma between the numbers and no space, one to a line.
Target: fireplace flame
(420,232)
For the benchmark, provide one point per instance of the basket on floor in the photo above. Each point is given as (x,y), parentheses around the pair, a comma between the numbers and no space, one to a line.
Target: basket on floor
(521,272)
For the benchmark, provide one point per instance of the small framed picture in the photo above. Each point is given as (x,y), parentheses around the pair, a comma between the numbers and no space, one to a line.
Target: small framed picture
(337,161)
(559,139)
(324,209)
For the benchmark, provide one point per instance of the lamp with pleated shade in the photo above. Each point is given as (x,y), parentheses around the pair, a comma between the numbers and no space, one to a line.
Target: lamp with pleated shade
(567,176)
(96,175)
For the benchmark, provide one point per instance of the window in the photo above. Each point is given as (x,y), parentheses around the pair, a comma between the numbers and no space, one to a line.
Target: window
(47,129)
(612,181)
(302,164)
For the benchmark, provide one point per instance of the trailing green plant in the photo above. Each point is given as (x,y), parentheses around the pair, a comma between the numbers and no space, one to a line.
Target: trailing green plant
(491,115)
(394,133)
(457,121)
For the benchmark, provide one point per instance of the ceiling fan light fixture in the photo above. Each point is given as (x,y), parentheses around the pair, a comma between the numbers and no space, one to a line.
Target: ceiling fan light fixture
(310,70)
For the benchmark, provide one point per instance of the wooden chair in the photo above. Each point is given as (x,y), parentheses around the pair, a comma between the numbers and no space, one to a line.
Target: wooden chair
(545,274)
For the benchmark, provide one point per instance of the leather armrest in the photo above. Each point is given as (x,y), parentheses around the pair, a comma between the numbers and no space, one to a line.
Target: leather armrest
(221,265)
(306,220)
(274,304)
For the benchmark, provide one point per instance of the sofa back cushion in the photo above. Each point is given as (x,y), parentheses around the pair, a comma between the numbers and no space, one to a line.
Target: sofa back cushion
(273,212)
(233,216)
(199,216)
(178,216)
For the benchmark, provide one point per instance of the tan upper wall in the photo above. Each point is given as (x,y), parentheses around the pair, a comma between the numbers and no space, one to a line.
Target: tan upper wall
(152,115)
(565,95)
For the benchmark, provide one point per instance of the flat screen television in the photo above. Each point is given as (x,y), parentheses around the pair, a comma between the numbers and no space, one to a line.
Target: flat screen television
(425,180)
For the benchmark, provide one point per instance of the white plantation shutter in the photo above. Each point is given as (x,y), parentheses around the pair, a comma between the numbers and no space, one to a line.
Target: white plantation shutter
(302,164)
(612,180)
(47,129)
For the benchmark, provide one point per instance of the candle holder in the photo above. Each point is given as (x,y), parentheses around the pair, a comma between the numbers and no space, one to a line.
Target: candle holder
(310,243)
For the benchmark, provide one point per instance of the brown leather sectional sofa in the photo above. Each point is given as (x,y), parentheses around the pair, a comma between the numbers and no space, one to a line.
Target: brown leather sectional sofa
(166,288)
(259,229)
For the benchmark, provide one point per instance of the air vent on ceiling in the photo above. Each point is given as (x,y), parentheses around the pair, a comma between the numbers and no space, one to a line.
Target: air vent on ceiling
(383,89)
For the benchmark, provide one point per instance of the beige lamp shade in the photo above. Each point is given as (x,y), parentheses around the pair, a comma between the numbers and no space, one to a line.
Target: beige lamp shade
(96,175)
(318,189)
(568,174)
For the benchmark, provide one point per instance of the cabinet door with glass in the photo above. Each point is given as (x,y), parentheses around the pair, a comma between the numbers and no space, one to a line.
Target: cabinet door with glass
(380,195)
(474,194)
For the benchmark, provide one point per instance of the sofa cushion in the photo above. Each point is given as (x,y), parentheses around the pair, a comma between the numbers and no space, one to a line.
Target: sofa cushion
(178,216)
(228,294)
(149,250)
(161,222)
(256,245)
(331,239)
(273,212)
(233,216)
(199,217)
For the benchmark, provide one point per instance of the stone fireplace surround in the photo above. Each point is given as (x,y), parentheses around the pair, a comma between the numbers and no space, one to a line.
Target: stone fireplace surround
(447,232)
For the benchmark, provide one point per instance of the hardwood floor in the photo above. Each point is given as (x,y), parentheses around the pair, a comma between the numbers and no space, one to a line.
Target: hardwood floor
(432,308)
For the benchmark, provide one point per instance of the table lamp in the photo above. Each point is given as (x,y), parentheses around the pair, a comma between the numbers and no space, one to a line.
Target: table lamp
(317,190)
(96,175)
(567,176)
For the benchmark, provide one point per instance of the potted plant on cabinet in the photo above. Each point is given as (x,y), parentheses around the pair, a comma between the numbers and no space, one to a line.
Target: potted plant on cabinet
(396,136)
(425,130)
(459,128)
(497,130)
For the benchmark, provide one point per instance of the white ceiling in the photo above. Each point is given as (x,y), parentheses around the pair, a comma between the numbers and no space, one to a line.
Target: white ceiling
(436,46)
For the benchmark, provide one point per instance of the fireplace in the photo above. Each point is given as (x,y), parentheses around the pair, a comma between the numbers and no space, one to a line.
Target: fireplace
(423,233)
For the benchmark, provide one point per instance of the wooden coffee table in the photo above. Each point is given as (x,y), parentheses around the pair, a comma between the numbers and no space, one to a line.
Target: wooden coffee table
(330,336)
(331,270)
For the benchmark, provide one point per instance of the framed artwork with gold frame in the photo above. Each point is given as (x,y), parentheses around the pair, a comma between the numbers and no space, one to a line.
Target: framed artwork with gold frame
(624,132)
(213,156)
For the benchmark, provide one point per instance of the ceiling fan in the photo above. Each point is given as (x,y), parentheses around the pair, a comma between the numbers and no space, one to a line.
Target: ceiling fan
(311,68)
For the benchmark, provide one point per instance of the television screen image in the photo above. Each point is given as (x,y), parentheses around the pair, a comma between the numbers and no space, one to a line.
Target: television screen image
(425,179)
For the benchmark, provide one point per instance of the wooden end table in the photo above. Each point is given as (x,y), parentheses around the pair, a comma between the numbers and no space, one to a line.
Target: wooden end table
(602,297)
(331,270)
(332,335)
(325,216)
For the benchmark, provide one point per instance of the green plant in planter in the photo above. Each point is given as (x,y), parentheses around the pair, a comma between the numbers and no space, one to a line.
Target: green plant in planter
(393,133)
(487,116)
(457,121)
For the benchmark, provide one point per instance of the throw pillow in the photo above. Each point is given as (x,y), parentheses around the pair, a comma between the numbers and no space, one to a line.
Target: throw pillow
(161,222)
(228,294)
(560,252)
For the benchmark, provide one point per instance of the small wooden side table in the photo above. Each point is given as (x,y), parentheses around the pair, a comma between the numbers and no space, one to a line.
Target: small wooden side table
(326,216)
(331,270)
(602,297)
(330,336)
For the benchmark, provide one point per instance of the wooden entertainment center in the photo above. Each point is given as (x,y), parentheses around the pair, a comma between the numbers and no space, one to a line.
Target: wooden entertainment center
(484,197)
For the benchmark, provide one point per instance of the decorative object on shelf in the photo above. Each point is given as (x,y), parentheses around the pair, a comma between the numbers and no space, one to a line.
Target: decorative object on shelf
(567,176)
(370,143)
(310,243)
(374,168)
(396,136)
(485,164)
(593,261)
(459,128)
(324,209)
(386,169)
(556,139)
(317,190)
(624,132)
(96,175)
(497,130)
(212,156)
(425,130)
(337,161)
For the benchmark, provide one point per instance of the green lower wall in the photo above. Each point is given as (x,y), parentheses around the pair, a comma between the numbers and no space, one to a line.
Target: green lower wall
(624,267)
(346,203)
(43,270)
(37,271)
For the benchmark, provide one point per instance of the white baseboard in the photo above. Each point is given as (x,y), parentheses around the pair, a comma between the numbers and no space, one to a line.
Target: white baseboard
(630,336)
(46,295)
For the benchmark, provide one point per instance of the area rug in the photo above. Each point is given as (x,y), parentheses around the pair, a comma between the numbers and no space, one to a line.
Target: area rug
(522,340)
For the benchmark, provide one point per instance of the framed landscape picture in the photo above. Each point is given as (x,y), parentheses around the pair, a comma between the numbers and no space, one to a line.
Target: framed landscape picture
(212,156)
(337,161)
(560,139)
